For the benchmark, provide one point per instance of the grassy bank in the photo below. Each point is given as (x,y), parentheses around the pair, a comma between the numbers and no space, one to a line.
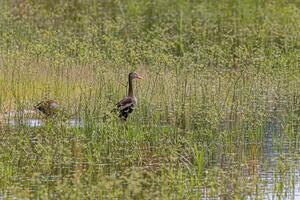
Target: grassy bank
(219,77)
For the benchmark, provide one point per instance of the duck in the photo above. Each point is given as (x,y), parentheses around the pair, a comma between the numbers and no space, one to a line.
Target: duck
(128,103)
(48,107)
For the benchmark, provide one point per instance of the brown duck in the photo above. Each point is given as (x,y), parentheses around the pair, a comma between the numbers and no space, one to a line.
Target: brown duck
(48,107)
(126,105)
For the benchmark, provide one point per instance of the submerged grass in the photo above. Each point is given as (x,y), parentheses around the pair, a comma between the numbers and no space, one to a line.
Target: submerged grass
(218,108)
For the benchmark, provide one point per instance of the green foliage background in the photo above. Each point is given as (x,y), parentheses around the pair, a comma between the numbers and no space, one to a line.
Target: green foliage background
(217,73)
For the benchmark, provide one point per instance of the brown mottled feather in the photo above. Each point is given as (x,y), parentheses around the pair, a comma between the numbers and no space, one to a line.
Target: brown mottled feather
(48,107)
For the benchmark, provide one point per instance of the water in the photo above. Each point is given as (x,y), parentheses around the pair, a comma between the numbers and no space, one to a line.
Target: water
(280,165)
(271,167)
(33,123)
(276,162)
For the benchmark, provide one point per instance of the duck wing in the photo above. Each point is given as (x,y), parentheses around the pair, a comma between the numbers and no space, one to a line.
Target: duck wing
(126,106)
(126,103)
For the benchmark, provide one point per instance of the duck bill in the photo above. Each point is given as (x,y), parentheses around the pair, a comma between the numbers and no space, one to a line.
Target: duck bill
(139,77)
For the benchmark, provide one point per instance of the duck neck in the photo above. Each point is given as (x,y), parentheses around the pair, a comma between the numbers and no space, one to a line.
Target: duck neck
(130,89)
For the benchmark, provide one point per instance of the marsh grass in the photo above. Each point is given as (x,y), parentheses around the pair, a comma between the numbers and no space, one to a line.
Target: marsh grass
(219,98)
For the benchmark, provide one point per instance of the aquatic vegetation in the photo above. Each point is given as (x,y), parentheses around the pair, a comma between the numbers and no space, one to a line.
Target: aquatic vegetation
(218,113)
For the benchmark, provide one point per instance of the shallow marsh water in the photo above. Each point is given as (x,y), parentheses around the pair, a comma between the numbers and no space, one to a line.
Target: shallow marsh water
(271,168)
(32,119)
(72,123)
(218,108)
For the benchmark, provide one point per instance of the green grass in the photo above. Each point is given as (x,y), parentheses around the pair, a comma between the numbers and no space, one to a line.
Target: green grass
(217,76)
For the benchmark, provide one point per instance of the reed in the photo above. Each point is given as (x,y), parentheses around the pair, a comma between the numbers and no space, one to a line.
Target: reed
(219,101)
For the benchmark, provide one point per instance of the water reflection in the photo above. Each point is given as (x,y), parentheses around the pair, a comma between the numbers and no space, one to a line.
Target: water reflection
(26,122)
(280,163)
(73,123)
(271,165)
